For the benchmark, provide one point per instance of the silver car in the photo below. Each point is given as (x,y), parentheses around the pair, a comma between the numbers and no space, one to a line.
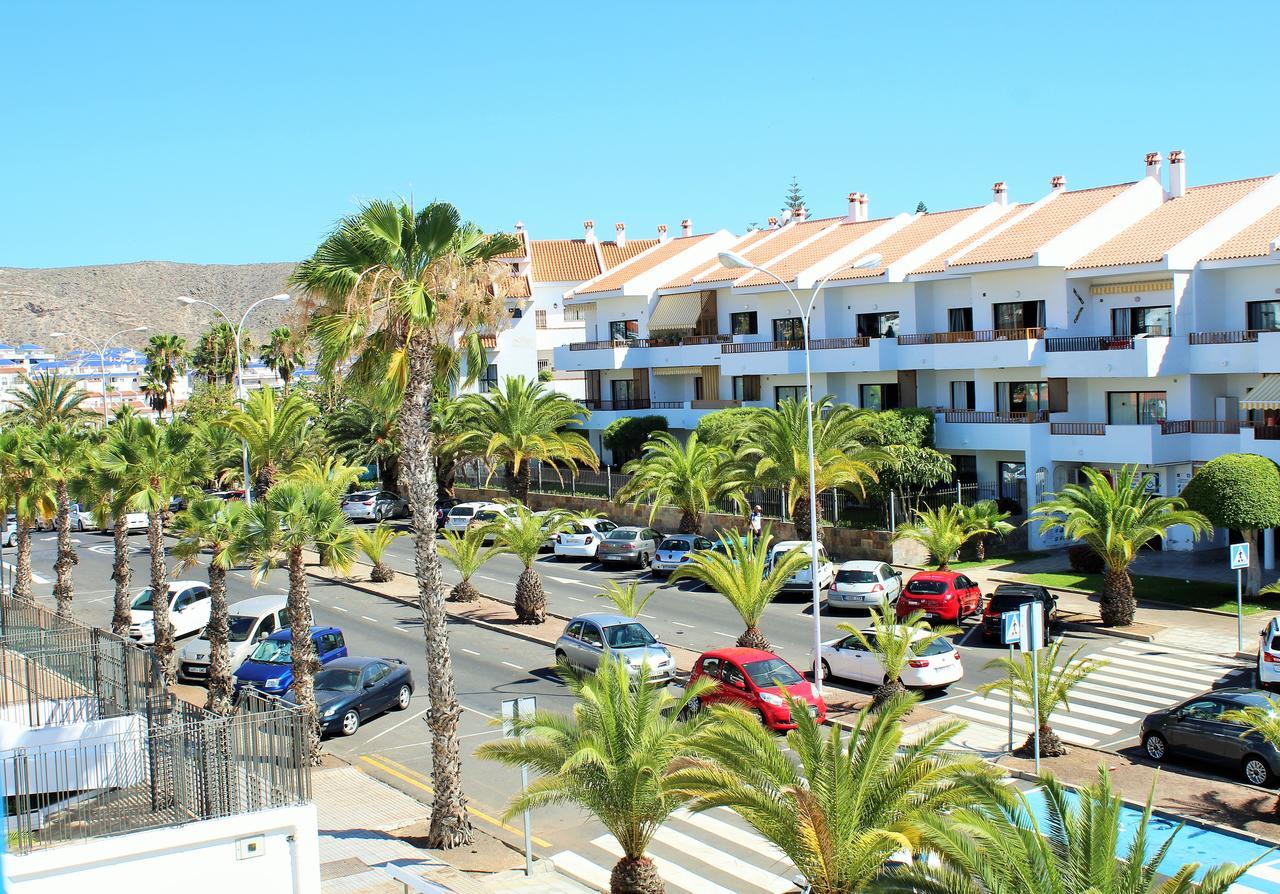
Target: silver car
(630,544)
(676,549)
(865,584)
(374,506)
(588,638)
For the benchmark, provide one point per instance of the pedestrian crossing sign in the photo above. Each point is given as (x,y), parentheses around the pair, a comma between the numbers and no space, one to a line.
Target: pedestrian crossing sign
(1239,556)
(1011,627)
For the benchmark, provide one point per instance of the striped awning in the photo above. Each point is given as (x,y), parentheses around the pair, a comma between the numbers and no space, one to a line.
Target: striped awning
(1123,288)
(677,370)
(1265,397)
(676,311)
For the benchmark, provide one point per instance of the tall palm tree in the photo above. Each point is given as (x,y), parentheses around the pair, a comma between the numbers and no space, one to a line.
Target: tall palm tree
(275,429)
(393,287)
(894,641)
(46,398)
(777,453)
(1078,848)
(155,391)
(615,756)
(58,453)
(691,477)
(289,519)
(115,493)
(366,431)
(215,353)
(216,526)
(30,495)
(282,353)
(841,807)
(740,571)
(166,362)
(1053,683)
(522,533)
(373,543)
(942,531)
(985,518)
(522,421)
(1116,517)
(467,553)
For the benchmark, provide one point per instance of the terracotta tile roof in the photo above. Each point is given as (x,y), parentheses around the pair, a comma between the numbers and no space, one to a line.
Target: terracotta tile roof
(1022,239)
(764,251)
(516,287)
(615,255)
(813,253)
(1254,241)
(564,260)
(937,265)
(1147,240)
(908,239)
(628,271)
(743,244)
(521,252)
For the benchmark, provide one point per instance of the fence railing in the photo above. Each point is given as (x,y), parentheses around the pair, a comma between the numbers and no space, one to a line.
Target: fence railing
(797,344)
(1200,427)
(980,335)
(653,341)
(1266,432)
(987,417)
(1232,337)
(633,404)
(1089,343)
(1077,428)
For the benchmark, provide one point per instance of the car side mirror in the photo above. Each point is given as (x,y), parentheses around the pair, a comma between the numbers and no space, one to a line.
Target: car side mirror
(739,684)
(368,684)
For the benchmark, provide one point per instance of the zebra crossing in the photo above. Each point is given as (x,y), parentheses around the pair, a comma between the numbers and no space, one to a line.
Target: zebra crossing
(1109,704)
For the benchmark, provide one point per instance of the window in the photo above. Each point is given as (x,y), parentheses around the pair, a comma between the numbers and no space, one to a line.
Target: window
(960,319)
(268,625)
(697,388)
(711,667)
(787,392)
(1013,483)
(1022,397)
(591,636)
(623,390)
(966,468)
(540,319)
(1206,709)
(1264,315)
(1019,314)
(624,330)
(746,388)
(1141,321)
(788,329)
(516,313)
(882,325)
(962,395)
(878,397)
(489,381)
(744,323)
(1136,407)
(575,630)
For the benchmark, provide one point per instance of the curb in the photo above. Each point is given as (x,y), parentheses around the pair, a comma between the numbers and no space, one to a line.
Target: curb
(1081,627)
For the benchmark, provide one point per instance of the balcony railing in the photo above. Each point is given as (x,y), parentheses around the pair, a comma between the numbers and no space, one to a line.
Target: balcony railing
(1089,343)
(1077,428)
(986,417)
(981,335)
(819,344)
(1200,427)
(1234,337)
(1266,432)
(653,341)
(633,404)
(489,341)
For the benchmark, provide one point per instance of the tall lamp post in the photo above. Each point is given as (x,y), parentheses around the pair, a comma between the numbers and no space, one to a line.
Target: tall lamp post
(734,261)
(102,358)
(236,331)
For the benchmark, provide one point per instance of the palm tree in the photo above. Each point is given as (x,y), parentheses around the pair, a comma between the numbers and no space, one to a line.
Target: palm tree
(115,495)
(451,432)
(166,361)
(741,572)
(374,543)
(626,598)
(1054,682)
(841,807)
(289,519)
(999,845)
(942,531)
(1261,721)
(691,477)
(984,518)
(366,431)
(46,398)
(215,353)
(333,473)
(777,454)
(214,525)
(894,641)
(1116,517)
(395,287)
(58,455)
(616,756)
(522,533)
(467,553)
(275,428)
(30,495)
(155,391)
(282,353)
(523,421)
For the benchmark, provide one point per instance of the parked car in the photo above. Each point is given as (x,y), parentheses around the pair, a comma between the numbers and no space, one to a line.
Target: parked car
(759,681)
(863,583)
(374,505)
(936,666)
(676,549)
(10,535)
(134,522)
(269,667)
(460,515)
(491,515)
(188,611)
(630,544)
(588,638)
(800,581)
(1195,729)
(1010,598)
(78,519)
(443,505)
(581,540)
(1269,656)
(942,595)
(350,691)
(228,495)
(249,622)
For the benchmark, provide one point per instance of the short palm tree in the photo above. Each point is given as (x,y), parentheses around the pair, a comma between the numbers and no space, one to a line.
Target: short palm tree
(1079,848)
(373,542)
(984,519)
(366,431)
(522,533)
(741,572)
(1054,682)
(692,477)
(214,525)
(842,806)
(166,363)
(31,496)
(1116,517)
(275,429)
(523,421)
(894,641)
(333,473)
(615,756)
(58,453)
(467,553)
(626,598)
(46,398)
(282,354)
(942,531)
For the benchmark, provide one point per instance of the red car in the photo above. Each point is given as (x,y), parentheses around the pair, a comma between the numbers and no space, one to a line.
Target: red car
(942,595)
(750,677)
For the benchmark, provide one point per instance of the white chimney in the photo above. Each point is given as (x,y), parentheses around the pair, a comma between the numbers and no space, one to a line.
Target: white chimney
(786,217)
(864,211)
(1153,166)
(853,207)
(589,226)
(773,223)
(1058,183)
(662,232)
(519,226)
(1000,193)
(1177,174)
(686,227)
(621,238)
(801,213)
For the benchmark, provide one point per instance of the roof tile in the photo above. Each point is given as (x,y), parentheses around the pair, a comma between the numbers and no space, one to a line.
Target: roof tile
(937,265)
(908,239)
(564,260)
(762,251)
(792,265)
(615,254)
(617,277)
(1254,241)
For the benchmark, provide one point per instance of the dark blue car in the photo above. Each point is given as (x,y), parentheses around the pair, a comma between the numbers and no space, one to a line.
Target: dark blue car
(269,667)
(349,691)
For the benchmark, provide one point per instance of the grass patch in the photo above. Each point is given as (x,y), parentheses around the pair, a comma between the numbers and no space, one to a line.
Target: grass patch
(1175,590)
(998,561)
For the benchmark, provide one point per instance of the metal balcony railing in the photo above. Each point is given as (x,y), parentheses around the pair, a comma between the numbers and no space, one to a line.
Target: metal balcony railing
(636,403)
(1089,343)
(986,417)
(981,335)
(1233,337)
(1200,427)
(653,341)
(820,344)
(1077,428)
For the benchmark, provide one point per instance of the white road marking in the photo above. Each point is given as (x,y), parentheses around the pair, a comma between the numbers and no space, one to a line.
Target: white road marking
(470,652)
(676,875)
(405,630)
(726,635)
(397,726)
(35,578)
(569,580)
(516,666)
(746,838)
(580,868)
(576,599)
(338,608)
(723,862)
(367,618)
(650,617)
(683,624)
(496,580)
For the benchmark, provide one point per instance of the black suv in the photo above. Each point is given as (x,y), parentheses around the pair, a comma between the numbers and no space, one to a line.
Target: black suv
(1196,729)
(1008,598)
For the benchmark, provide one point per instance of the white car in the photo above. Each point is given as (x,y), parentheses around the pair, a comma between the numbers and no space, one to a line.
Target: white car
(801,580)
(188,611)
(493,514)
(249,622)
(1269,656)
(581,540)
(460,516)
(936,666)
(10,535)
(865,584)
(133,522)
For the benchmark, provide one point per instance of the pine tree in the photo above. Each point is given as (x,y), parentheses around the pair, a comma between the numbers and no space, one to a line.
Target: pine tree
(794,202)
(922,208)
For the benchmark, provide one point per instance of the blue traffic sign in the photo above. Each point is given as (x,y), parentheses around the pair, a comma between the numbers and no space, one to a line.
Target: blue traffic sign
(1239,556)
(1011,627)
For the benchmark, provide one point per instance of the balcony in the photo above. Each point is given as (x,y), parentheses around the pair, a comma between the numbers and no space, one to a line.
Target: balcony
(1126,356)
(1089,343)
(656,350)
(980,349)
(988,430)
(1236,351)
(772,358)
(1200,427)
(1171,441)
(632,404)
(679,413)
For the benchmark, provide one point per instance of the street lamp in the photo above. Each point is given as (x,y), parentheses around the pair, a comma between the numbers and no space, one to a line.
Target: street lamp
(102,359)
(236,332)
(734,261)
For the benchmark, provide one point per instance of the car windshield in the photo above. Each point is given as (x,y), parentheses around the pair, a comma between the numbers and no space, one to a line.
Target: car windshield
(143,601)
(628,636)
(854,576)
(273,651)
(460,511)
(937,647)
(240,626)
(338,679)
(620,534)
(1007,602)
(771,672)
(675,544)
(362,496)
(926,587)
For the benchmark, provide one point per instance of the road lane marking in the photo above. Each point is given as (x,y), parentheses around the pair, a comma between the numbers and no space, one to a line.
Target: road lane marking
(516,666)
(403,630)
(726,635)
(727,863)
(569,580)
(35,578)
(338,608)
(683,624)
(576,599)
(367,618)
(671,872)
(650,617)
(496,580)
(470,652)
(397,726)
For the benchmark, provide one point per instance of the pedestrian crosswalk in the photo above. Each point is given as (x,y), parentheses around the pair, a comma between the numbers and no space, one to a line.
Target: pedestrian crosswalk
(1110,703)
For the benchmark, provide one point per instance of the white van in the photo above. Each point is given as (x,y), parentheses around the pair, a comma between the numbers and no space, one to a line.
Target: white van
(249,621)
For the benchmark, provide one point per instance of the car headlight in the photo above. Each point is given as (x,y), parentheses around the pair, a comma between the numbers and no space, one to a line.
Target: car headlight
(329,713)
(770,699)
(273,683)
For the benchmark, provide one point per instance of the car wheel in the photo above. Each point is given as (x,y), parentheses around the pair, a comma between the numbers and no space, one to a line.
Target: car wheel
(350,723)
(645,561)
(402,698)
(561,657)
(1256,771)
(763,720)
(1155,746)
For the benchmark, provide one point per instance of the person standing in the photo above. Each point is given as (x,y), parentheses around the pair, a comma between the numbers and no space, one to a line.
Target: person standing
(755,523)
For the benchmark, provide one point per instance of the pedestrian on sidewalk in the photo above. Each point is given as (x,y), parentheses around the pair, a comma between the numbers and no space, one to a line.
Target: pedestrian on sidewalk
(755,523)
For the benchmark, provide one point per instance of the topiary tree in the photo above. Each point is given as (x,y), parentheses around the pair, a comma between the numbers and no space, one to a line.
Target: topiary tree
(626,437)
(727,427)
(1241,491)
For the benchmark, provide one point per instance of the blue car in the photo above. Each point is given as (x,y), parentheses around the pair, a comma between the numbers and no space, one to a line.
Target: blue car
(269,667)
(350,691)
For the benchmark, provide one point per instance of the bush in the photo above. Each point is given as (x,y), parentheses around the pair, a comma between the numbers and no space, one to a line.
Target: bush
(1084,560)
(625,437)
(724,427)
(1237,490)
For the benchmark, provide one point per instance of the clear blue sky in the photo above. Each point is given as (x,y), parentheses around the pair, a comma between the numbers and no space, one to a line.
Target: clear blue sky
(234,132)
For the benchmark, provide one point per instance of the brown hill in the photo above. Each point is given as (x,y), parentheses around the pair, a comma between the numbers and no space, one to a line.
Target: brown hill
(94,302)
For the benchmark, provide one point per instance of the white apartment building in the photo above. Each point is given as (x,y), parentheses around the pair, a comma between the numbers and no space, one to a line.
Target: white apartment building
(1131,323)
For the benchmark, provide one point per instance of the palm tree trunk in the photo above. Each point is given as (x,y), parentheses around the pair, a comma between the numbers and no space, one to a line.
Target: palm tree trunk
(120,616)
(382,573)
(980,547)
(801,518)
(1118,603)
(63,586)
(218,631)
(1050,744)
(450,824)
(1252,574)
(464,591)
(635,875)
(518,484)
(164,647)
(886,691)
(22,565)
(305,664)
(531,599)
(690,523)
(752,638)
